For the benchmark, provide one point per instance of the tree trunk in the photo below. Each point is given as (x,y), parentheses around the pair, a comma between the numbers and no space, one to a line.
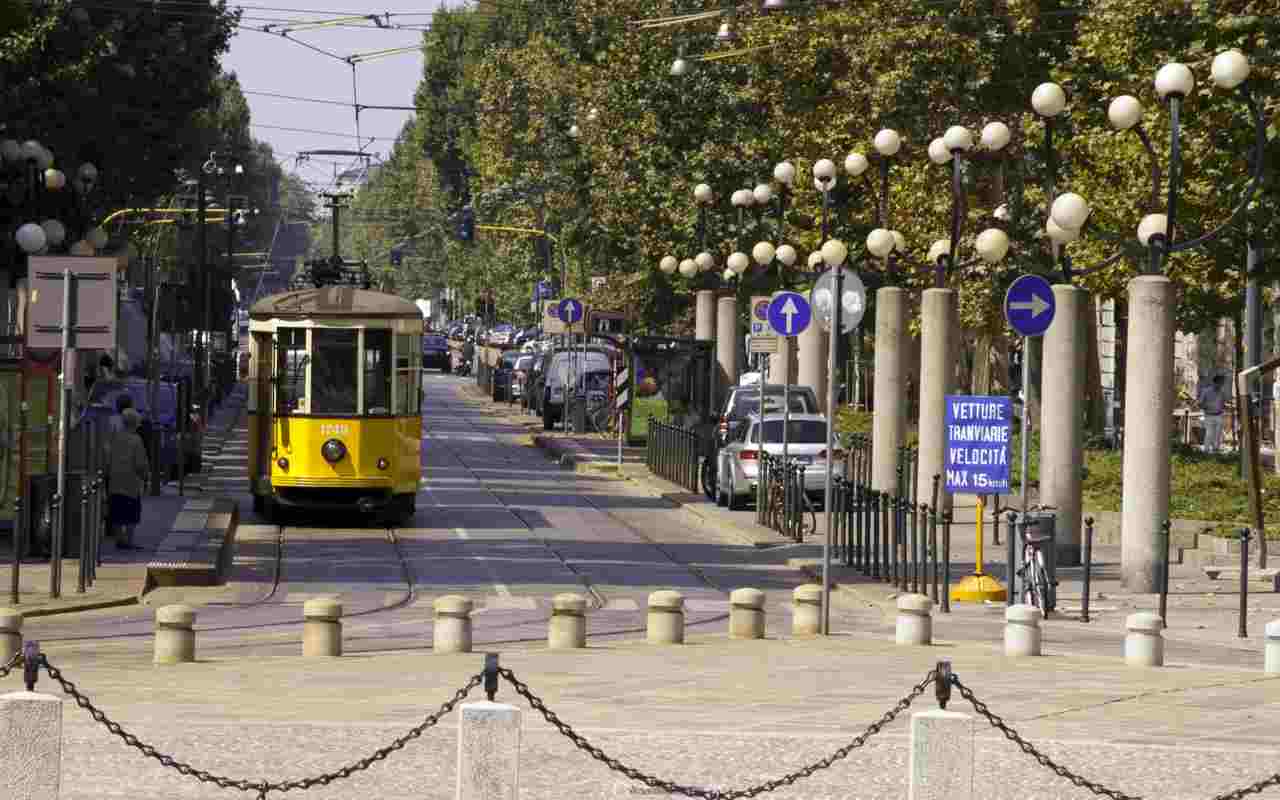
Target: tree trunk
(982,364)
(1095,404)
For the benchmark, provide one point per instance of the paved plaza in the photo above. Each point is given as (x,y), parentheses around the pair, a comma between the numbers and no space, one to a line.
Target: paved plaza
(502,524)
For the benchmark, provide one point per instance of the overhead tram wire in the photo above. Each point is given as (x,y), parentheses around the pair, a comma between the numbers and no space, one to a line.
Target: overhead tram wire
(361,106)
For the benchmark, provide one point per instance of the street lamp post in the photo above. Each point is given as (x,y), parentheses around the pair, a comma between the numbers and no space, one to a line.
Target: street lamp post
(940,324)
(833,255)
(1149,378)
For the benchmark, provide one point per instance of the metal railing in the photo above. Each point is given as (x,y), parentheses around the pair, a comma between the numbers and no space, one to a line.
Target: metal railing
(674,454)
(781,500)
(49,514)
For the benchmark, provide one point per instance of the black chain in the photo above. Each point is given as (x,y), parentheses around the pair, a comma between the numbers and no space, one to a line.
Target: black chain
(261,787)
(12,664)
(1030,749)
(1062,772)
(713,794)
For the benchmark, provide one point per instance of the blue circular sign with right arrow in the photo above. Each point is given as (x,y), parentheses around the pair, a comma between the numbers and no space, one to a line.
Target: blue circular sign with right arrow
(1029,305)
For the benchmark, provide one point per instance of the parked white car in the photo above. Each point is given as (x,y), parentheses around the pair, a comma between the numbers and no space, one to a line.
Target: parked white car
(739,468)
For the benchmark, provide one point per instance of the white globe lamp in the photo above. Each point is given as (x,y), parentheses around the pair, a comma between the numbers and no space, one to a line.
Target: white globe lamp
(1174,79)
(940,248)
(1070,211)
(738,262)
(834,252)
(1049,100)
(880,242)
(855,164)
(887,142)
(1124,112)
(763,253)
(1151,225)
(31,238)
(705,261)
(995,135)
(938,152)
(688,268)
(992,245)
(1230,69)
(786,254)
(958,137)
(668,265)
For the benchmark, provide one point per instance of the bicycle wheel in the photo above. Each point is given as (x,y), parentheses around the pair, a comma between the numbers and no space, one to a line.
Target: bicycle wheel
(1042,584)
(709,487)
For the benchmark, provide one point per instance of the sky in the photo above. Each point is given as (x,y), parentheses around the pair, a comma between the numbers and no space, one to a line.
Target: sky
(272,64)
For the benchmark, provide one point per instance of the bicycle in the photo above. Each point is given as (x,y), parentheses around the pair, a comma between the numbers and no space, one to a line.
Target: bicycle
(776,516)
(1033,572)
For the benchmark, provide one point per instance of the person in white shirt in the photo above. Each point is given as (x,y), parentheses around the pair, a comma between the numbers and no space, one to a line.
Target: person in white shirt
(1212,400)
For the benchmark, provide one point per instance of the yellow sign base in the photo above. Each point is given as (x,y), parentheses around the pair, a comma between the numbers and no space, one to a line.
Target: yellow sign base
(977,589)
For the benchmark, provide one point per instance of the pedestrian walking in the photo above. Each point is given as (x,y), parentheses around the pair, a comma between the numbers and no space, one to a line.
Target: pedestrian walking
(1212,401)
(127,469)
(115,423)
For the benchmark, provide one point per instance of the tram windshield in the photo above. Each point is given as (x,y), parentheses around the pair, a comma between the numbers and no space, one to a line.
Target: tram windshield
(333,371)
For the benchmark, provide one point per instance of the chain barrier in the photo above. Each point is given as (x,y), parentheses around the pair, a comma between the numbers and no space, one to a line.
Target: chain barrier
(10,665)
(1084,783)
(261,787)
(712,794)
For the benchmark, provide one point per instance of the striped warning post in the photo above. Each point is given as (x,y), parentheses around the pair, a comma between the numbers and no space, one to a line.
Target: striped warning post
(621,389)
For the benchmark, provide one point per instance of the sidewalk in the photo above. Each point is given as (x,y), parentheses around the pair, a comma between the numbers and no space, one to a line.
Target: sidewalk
(121,573)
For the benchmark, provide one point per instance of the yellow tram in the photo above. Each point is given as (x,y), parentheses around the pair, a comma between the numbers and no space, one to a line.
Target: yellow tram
(335,401)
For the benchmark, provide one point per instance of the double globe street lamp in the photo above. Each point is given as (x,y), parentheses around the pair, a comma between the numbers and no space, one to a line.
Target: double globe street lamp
(1149,381)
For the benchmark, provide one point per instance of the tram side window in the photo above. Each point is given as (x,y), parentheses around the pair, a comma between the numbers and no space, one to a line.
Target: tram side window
(293,370)
(377,373)
(408,374)
(333,371)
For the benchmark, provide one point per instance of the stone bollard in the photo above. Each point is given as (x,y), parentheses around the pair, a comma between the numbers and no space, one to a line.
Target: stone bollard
(30,745)
(322,627)
(666,618)
(1272,657)
(488,752)
(1144,643)
(568,627)
(10,634)
(942,756)
(746,614)
(1022,631)
(452,630)
(175,635)
(915,623)
(806,610)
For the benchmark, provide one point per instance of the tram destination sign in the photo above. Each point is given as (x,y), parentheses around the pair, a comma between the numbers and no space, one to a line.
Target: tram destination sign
(978,431)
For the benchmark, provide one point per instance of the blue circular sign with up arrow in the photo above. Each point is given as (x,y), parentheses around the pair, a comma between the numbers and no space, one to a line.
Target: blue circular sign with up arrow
(789,313)
(1029,305)
(570,310)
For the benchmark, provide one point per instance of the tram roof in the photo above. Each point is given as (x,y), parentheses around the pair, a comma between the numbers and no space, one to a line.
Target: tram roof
(333,301)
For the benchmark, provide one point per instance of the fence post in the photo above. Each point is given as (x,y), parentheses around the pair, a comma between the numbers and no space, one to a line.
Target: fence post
(1088,568)
(19,541)
(31,750)
(1011,565)
(936,571)
(1165,530)
(946,562)
(488,749)
(942,756)
(1243,631)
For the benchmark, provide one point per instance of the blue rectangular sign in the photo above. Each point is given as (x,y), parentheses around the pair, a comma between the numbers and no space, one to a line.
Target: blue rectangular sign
(978,432)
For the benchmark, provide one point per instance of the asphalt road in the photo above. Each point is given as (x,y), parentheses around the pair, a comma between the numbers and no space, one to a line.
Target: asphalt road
(497,521)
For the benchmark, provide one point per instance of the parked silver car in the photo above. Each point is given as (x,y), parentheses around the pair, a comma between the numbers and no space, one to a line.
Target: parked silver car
(739,467)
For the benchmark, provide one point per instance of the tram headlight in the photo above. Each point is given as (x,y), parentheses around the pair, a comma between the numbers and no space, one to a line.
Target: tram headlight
(282,463)
(333,451)
(383,463)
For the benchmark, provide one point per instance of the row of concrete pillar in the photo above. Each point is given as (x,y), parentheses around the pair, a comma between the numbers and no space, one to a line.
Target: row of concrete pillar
(175,638)
(1149,398)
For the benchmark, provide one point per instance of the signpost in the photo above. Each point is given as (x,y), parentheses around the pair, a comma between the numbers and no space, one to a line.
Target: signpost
(789,314)
(1029,306)
(570,310)
(73,306)
(977,462)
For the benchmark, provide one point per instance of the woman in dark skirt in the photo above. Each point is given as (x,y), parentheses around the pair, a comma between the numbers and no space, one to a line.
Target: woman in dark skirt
(127,471)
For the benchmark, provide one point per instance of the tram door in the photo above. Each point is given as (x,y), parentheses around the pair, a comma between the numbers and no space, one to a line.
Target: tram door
(261,407)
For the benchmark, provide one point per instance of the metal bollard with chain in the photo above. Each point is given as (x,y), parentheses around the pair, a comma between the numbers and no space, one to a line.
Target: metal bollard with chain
(714,794)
